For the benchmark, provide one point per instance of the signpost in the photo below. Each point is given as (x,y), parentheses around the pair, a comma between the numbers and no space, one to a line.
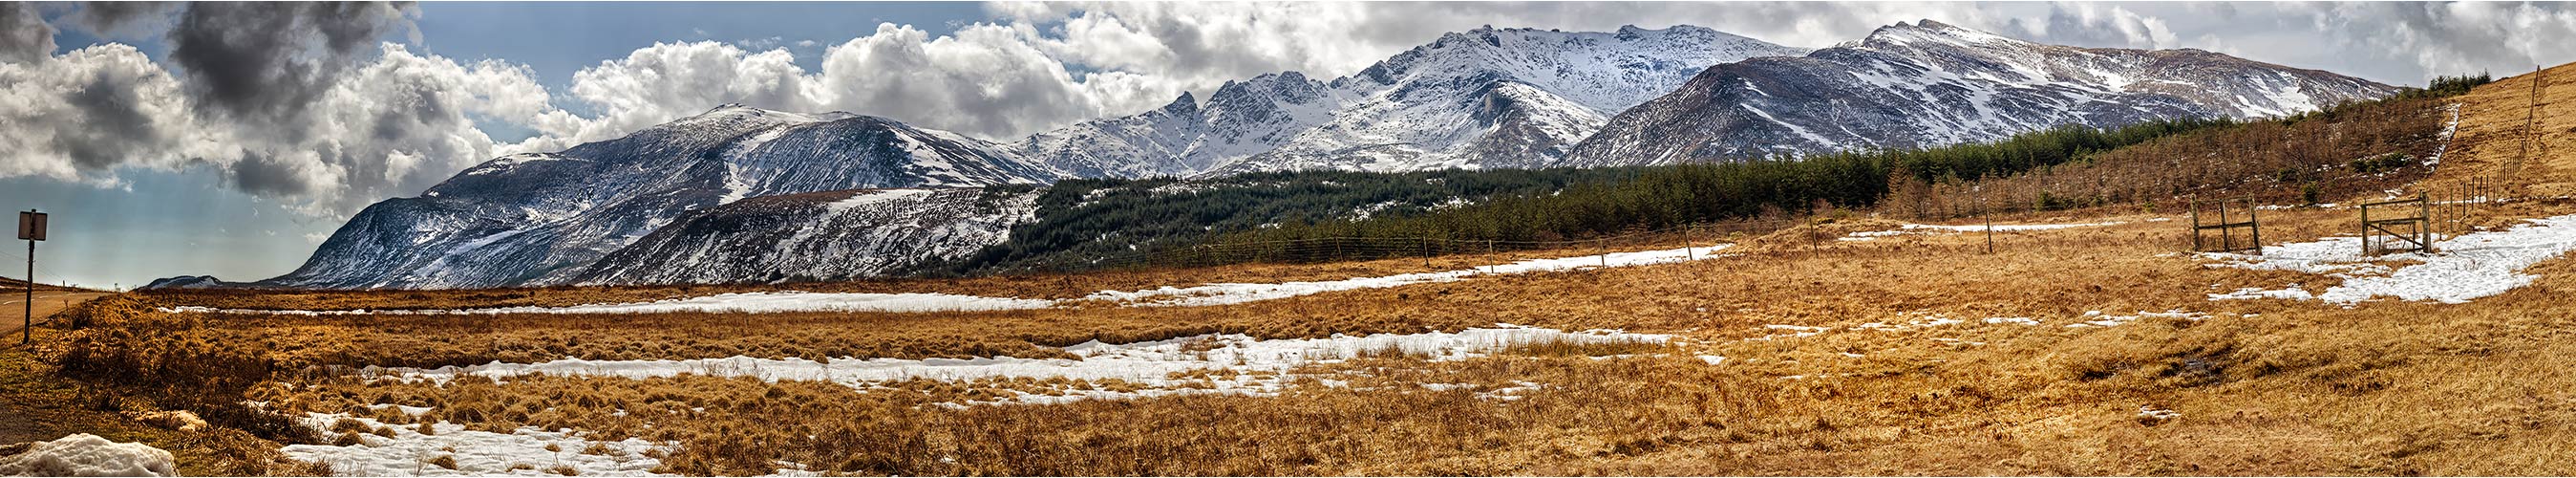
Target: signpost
(31,228)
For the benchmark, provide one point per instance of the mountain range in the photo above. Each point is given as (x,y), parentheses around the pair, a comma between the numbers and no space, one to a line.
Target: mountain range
(742,194)
(1929,84)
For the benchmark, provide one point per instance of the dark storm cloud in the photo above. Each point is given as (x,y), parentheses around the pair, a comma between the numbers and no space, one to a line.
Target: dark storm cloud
(267,175)
(121,18)
(24,36)
(267,62)
(113,127)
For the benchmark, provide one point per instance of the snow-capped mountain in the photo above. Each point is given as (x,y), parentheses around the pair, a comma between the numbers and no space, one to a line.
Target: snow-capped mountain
(536,217)
(1912,85)
(1241,119)
(187,282)
(1483,98)
(837,235)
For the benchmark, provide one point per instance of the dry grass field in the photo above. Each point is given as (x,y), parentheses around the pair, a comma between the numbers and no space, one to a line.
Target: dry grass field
(2077,351)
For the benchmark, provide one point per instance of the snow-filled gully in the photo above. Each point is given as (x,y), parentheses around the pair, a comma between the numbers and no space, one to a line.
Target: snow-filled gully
(1201,295)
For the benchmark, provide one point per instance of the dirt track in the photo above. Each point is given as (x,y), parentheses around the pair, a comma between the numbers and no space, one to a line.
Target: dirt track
(47,303)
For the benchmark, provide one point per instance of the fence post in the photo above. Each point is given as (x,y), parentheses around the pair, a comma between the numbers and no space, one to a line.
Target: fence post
(1426,252)
(2195,226)
(2226,238)
(1602,246)
(1490,267)
(2254,218)
(2365,228)
(2423,234)
(1990,232)
(1686,242)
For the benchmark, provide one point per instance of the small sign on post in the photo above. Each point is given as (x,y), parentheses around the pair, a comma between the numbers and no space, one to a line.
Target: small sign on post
(31,228)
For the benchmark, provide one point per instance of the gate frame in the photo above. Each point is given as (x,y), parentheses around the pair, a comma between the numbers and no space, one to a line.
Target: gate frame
(2227,240)
(2418,239)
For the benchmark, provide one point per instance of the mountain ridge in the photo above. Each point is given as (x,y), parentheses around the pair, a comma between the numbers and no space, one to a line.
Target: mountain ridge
(1927,84)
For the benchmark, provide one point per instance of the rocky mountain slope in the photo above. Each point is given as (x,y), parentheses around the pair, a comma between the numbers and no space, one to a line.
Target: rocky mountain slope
(838,235)
(1912,85)
(543,217)
(1485,98)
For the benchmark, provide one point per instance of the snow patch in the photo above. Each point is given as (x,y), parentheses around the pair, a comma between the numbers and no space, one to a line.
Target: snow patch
(82,454)
(2012,320)
(476,453)
(2466,267)
(862,199)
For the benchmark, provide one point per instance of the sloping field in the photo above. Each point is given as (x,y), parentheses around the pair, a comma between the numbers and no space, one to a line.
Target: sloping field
(2089,342)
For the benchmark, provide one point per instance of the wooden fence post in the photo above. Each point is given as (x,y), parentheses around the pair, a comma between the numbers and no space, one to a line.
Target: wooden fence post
(2195,226)
(2423,234)
(1990,232)
(2254,218)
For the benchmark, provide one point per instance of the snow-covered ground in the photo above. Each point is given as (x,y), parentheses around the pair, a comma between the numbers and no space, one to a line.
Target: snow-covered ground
(2461,268)
(1164,367)
(1210,294)
(475,453)
(82,454)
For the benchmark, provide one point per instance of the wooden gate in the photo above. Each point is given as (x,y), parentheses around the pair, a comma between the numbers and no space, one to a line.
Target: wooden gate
(2227,241)
(2404,225)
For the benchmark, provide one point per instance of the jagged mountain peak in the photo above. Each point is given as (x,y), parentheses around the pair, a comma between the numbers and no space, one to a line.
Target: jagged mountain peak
(1933,34)
(1486,97)
(1186,104)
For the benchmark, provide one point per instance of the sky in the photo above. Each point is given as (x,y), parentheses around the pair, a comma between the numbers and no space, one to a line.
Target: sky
(230,139)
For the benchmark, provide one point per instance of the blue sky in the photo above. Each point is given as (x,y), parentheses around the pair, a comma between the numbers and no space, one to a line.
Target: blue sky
(184,176)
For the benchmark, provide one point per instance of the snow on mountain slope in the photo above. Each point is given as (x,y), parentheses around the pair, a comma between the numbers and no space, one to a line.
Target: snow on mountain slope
(1926,84)
(1482,98)
(523,218)
(836,235)
(1241,119)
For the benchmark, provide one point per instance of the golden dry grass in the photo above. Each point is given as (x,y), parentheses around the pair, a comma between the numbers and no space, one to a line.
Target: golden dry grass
(2309,383)
(2262,387)
(41,407)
